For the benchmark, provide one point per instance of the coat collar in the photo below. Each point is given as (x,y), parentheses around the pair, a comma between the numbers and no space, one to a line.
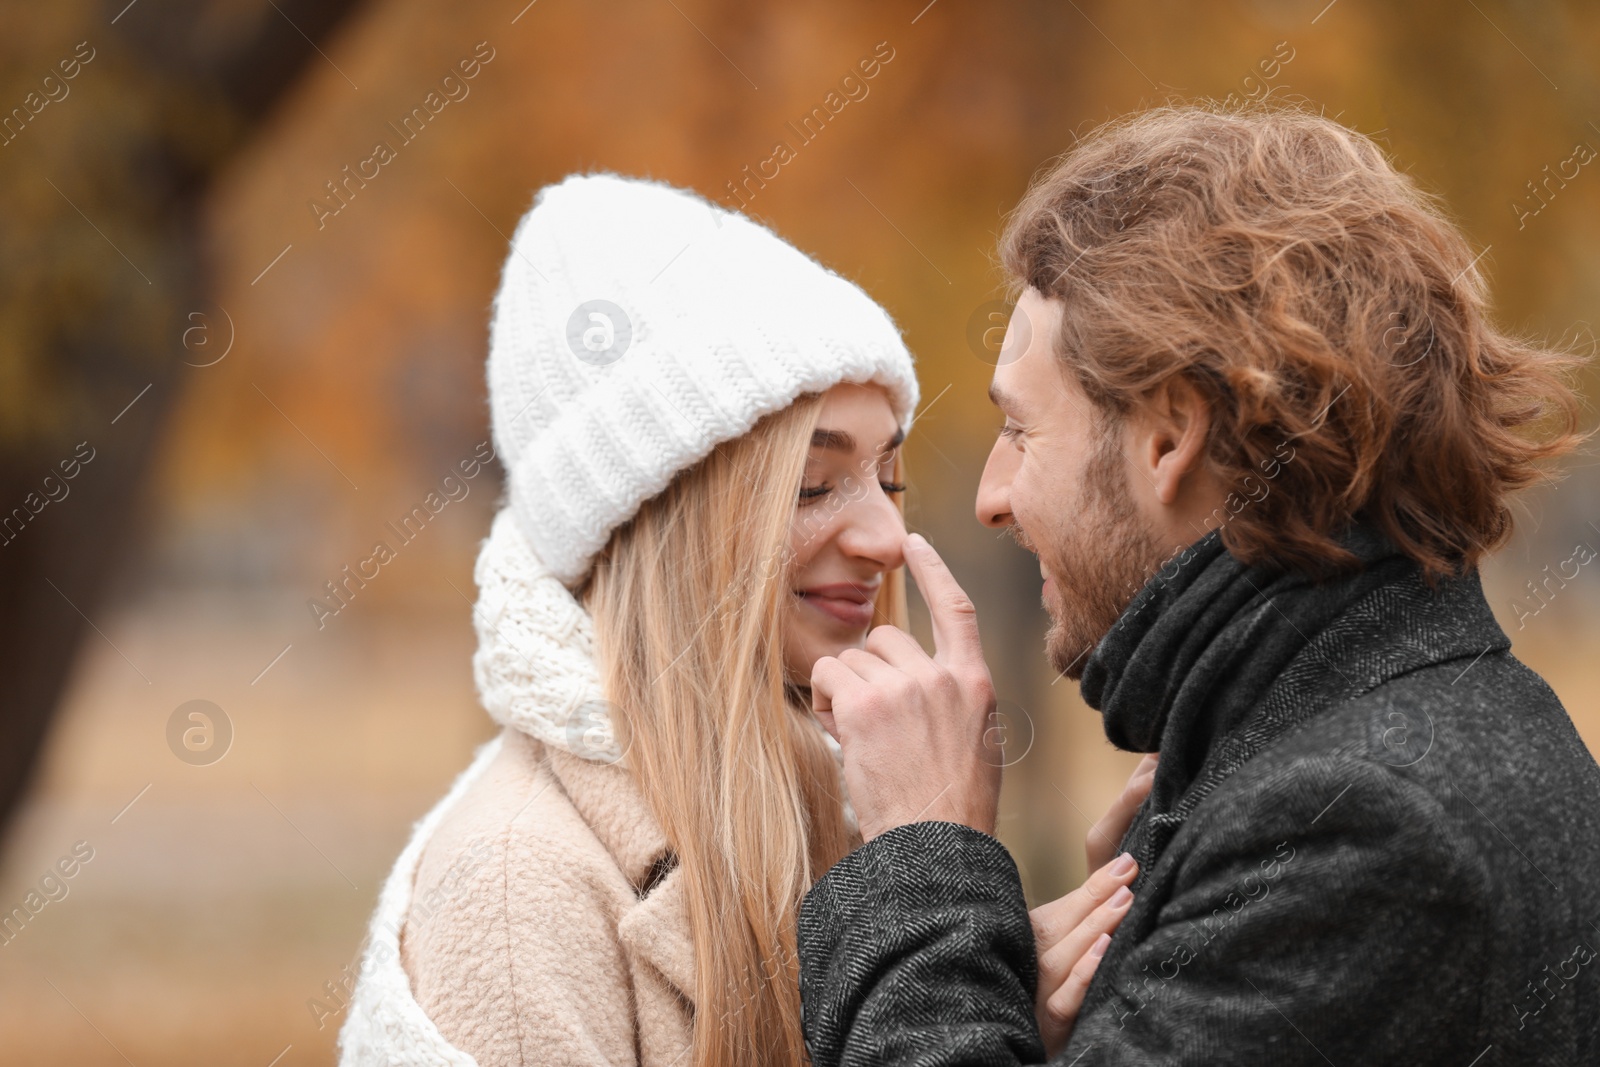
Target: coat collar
(1230,658)
(655,928)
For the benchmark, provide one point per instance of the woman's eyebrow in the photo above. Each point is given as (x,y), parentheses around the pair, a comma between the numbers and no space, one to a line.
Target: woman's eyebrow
(833,440)
(843,441)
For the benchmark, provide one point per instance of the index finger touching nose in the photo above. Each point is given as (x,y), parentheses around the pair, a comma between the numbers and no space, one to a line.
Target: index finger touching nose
(955,620)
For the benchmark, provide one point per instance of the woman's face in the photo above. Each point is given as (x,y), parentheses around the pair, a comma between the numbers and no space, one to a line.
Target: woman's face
(846,531)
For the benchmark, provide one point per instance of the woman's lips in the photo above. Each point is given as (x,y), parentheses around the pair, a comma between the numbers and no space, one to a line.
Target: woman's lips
(849,604)
(846,611)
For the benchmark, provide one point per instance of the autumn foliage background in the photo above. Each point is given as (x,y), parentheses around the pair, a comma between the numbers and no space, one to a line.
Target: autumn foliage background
(270,373)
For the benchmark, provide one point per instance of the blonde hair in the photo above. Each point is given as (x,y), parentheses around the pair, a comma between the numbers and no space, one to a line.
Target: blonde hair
(689,600)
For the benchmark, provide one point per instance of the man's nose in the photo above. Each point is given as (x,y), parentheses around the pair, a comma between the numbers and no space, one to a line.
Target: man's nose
(994,489)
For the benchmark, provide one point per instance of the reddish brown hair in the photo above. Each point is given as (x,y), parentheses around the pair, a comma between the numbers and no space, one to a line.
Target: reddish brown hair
(1324,307)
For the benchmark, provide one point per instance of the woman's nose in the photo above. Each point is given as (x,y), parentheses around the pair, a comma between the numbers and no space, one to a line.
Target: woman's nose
(874,530)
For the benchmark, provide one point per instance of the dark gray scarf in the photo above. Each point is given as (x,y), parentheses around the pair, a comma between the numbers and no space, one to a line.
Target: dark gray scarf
(1188,667)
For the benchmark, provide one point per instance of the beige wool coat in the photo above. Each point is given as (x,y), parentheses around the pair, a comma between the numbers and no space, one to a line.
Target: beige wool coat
(547,922)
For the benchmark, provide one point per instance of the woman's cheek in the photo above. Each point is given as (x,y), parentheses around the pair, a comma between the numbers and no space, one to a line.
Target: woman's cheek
(812,526)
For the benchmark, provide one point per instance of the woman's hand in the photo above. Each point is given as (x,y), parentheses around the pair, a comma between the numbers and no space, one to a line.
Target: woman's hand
(1101,844)
(1072,933)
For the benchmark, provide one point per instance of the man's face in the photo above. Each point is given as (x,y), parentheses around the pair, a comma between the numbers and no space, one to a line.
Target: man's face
(1057,481)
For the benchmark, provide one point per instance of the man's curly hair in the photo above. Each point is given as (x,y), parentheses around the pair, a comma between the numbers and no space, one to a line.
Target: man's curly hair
(1331,315)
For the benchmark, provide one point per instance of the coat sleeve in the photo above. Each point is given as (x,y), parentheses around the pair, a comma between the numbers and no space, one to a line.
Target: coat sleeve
(1323,911)
(917,948)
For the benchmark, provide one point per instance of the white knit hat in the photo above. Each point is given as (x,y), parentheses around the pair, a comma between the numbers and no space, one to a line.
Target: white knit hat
(637,326)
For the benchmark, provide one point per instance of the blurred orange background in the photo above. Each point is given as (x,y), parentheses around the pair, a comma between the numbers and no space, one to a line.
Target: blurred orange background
(223,899)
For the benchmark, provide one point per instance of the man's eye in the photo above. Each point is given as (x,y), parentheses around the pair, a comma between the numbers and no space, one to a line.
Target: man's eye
(1008,431)
(892,487)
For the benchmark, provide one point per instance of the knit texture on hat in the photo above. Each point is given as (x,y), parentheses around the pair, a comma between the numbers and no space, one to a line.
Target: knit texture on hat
(636,327)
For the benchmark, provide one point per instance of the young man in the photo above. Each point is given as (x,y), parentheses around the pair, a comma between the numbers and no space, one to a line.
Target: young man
(1259,431)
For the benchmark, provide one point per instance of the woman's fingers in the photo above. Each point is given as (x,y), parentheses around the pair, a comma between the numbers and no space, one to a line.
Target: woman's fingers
(1066,968)
(1058,918)
(1059,1014)
(1074,931)
(1107,834)
(1072,934)
(1057,961)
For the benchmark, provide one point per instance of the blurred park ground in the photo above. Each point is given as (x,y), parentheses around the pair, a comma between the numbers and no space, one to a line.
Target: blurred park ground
(312,366)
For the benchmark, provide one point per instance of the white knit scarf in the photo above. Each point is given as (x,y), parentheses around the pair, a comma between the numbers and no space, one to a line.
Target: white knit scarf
(535,665)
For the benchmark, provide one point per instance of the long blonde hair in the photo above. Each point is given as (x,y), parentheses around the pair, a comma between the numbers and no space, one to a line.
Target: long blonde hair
(688,601)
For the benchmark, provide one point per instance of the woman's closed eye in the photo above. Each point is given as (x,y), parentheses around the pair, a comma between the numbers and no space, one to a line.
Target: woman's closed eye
(816,492)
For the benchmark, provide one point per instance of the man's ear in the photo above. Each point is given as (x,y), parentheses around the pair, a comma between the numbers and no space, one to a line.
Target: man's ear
(1175,424)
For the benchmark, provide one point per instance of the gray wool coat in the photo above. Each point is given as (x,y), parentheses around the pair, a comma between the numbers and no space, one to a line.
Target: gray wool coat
(1373,837)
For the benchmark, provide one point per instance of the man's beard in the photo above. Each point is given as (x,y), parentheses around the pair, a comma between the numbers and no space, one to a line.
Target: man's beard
(1098,558)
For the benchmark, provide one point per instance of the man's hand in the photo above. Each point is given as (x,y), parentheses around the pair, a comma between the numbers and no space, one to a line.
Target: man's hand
(914,727)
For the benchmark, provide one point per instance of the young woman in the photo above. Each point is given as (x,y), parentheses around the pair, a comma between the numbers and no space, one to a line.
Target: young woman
(701,428)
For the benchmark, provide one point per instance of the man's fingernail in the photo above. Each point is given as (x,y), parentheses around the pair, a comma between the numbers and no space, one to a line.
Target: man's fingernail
(916,539)
(1099,947)
(1122,865)
(1120,897)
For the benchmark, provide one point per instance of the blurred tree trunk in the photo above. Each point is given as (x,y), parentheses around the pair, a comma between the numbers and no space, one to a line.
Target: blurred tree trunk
(103,273)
